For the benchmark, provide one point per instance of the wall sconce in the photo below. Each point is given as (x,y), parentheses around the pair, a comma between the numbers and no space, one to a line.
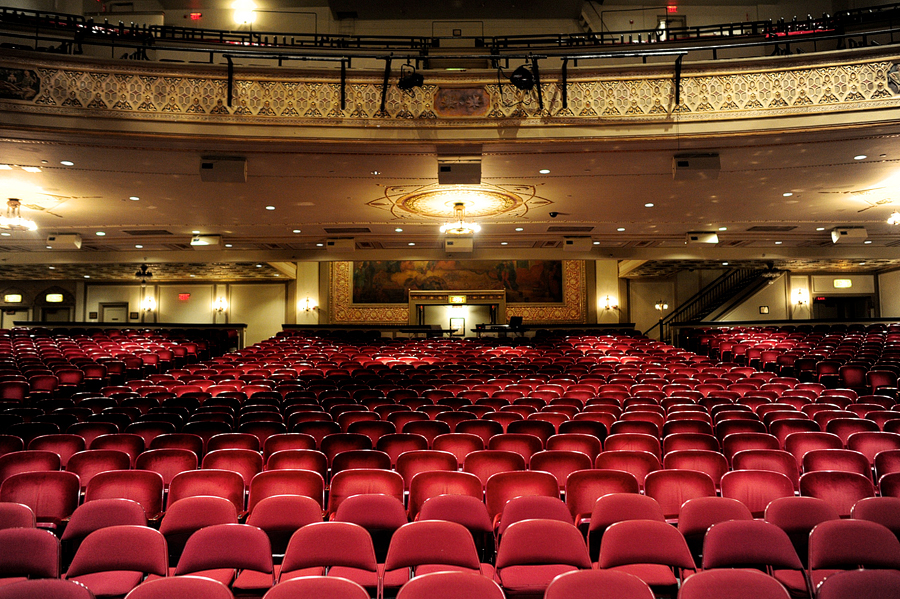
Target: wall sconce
(611,304)
(308,306)
(801,297)
(661,305)
(149,304)
(220,305)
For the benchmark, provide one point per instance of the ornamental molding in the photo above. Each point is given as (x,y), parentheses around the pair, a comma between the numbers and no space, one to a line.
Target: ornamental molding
(342,310)
(710,92)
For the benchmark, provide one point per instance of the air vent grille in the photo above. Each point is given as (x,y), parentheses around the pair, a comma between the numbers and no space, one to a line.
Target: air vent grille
(347,230)
(772,228)
(569,229)
(147,232)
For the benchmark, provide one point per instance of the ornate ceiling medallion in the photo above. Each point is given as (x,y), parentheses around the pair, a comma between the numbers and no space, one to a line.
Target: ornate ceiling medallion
(440,201)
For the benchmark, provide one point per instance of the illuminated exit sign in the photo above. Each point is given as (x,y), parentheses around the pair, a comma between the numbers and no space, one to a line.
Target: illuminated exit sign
(184,296)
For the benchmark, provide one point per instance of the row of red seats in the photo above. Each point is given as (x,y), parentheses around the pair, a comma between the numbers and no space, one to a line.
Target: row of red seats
(629,532)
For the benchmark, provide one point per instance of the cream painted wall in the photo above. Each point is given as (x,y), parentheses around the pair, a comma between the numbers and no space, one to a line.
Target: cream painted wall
(196,309)
(101,294)
(643,296)
(772,296)
(260,306)
(607,284)
(308,287)
(889,294)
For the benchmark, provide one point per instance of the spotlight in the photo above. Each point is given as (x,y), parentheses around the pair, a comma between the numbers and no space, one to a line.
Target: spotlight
(522,78)
(409,78)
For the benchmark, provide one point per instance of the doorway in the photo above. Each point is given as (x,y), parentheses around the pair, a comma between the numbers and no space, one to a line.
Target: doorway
(60,314)
(852,307)
(114,312)
(11,316)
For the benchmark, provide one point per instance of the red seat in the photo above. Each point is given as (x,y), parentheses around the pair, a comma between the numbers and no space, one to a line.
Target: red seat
(840,489)
(112,561)
(756,488)
(143,486)
(533,552)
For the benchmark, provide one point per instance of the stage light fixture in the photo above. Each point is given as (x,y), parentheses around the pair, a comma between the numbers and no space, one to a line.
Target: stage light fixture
(522,78)
(409,78)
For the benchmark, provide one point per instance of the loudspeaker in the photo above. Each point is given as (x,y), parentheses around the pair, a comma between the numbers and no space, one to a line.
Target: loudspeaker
(701,237)
(340,245)
(578,244)
(455,245)
(849,235)
(695,166)
(67,241)
(223,169)
(459,171)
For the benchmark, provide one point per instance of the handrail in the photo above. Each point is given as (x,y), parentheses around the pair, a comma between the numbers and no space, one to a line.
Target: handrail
(41,26)
(708,298)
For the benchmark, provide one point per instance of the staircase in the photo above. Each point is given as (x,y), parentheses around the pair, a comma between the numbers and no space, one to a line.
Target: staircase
(731,288)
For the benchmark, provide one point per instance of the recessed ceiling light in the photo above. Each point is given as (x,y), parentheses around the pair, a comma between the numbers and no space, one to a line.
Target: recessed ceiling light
(31,169)
(504,243)
(296,231)
(259,266)
(228,245)
(411,243)
(139,246)
(270,207)
(192,276)
(52,267)
(398,230)
(6,234)
(101,234)
(376,172)
(620,229)
(5,167)
(67,163)
(318,245)
(195,232)
(596,243)
(777,243)
(649,205)
(867,241)
(788,194)
(544,171)
(724,264)
(820,228)
(87,276)
(519,229)
(49,248)
(134,198)
(723,228)
(860,157)
(862,263)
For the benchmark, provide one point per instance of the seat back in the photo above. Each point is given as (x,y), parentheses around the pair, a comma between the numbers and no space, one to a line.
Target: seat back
(453,585)
(181,587)
(598,584)
(732,584)
(52,496)
(30,552)
(114,548)
(540,542)
(325,544)
(143,486)
(432,542)
(317,587)
(238,546)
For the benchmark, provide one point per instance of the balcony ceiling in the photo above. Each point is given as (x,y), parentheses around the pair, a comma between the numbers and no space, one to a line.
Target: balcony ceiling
(350,189)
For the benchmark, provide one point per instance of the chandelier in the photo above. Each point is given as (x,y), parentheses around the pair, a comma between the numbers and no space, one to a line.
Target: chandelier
(13,221)
(894,218)
(460,226)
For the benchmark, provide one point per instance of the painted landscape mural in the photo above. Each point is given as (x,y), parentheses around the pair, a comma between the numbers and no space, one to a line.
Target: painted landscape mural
(525,281)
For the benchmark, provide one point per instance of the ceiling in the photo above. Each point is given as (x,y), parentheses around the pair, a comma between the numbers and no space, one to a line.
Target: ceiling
(321,190)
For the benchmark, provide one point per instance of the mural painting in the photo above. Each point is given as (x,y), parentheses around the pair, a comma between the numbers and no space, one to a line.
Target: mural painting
(525,281)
